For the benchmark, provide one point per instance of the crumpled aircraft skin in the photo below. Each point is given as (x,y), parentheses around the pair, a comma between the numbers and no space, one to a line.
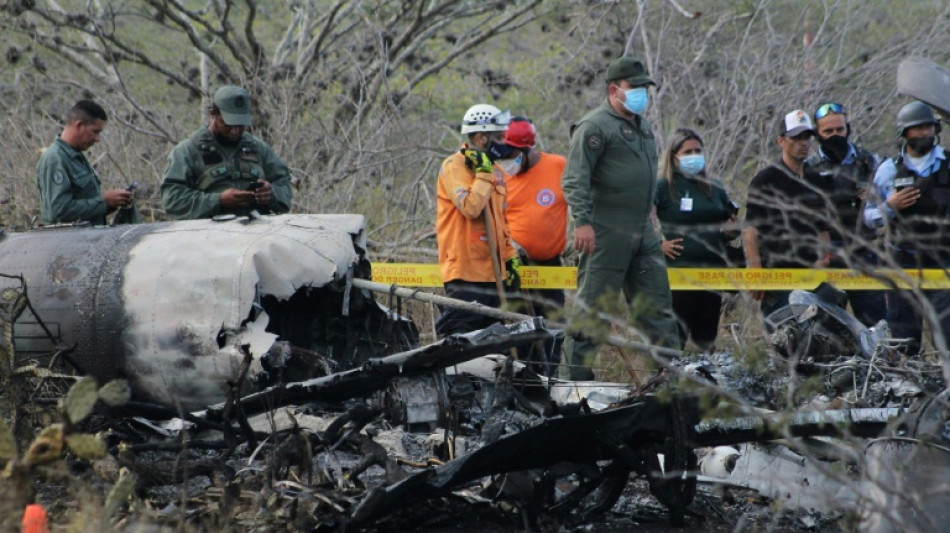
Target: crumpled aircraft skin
(170,305)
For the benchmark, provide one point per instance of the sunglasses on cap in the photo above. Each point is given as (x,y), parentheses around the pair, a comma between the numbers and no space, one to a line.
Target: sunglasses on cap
(826,109)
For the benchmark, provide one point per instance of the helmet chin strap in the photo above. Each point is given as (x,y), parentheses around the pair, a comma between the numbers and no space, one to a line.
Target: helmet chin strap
(531,157)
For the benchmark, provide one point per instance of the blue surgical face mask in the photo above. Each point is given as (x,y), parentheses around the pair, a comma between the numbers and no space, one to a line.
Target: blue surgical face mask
(693,163)
(511,166)
(636,100)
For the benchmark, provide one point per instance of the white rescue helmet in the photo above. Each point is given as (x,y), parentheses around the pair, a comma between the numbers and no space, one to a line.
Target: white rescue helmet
(485,117)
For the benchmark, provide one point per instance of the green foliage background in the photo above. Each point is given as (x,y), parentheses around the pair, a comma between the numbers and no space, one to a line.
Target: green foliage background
(729,71)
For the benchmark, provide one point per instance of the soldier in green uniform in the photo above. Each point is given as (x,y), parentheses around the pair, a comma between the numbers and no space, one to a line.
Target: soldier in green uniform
(222,169)
(69,187)
(609,185)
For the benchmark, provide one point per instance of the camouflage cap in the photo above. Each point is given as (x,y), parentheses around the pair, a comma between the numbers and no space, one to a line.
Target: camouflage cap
(235,105)
(630,69)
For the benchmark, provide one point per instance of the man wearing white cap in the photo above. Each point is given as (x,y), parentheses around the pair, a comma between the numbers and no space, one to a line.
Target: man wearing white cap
(222,169)
(786,216)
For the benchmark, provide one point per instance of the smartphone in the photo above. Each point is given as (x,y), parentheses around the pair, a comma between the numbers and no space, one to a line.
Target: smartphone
(134,185)
(254,186)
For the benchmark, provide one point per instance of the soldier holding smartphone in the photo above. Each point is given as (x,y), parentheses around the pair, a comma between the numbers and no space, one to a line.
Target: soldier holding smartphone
(222,169)
(70,190)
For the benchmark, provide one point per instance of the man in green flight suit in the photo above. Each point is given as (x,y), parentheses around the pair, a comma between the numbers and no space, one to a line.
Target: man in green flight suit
(222,169)
(69,187)
(609,185)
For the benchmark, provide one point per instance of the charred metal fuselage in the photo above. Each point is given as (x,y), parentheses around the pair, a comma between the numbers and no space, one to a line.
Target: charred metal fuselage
(173,306)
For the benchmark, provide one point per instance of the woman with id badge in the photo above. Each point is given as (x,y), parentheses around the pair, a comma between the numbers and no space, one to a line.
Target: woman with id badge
(692,209)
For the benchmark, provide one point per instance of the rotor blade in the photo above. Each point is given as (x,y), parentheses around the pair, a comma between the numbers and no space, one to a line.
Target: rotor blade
(926,81)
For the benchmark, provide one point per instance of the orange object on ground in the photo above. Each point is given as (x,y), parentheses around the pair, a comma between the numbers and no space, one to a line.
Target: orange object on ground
(34,519)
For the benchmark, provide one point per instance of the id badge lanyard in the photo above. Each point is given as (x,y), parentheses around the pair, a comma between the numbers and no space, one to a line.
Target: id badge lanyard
(686,204)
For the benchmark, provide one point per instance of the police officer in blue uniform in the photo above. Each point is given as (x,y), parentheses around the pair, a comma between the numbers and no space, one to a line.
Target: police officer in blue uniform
(913,193)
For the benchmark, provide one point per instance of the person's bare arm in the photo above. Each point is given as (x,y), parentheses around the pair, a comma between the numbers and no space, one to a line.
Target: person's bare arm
(824,249)
(750,240)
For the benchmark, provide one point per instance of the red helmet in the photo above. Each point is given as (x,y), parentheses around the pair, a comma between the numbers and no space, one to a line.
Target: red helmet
(520,134)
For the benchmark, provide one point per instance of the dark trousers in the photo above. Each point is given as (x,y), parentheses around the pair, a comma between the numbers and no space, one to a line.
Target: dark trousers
(643,277)
(906,321)
(548,303)
(697,314)
(772,301)
(869,307)
(904,310)
(542,357)
(459,321)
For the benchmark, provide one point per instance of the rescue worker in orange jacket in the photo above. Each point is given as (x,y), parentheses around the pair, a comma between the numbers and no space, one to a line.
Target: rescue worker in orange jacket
(471,190)
(537,218)
(536,211)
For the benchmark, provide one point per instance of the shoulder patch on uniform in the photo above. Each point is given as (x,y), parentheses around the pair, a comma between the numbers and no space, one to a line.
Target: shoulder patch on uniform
(59,176)
(594,140)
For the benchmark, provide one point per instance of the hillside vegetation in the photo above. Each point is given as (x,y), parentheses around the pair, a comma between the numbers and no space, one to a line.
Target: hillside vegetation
(363,99)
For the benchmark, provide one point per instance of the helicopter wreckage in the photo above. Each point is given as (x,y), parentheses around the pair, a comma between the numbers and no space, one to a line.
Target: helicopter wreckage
(260,340)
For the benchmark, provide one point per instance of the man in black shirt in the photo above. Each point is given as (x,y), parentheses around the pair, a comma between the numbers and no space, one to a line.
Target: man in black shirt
(786,215)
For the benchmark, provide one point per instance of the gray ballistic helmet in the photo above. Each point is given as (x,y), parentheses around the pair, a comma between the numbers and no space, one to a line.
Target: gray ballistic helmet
(915,114)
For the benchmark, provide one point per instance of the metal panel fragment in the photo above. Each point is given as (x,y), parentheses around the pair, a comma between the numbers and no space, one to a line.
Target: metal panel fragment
(168,305)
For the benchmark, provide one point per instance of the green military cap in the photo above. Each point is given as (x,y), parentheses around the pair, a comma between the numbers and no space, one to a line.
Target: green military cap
(235,105)
(630,69)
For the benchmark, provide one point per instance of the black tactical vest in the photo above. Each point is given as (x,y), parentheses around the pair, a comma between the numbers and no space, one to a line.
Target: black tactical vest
(845,184)
(220,171)
(924,227)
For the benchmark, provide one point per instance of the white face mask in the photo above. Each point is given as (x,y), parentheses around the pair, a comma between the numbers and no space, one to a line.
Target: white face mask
(511,166)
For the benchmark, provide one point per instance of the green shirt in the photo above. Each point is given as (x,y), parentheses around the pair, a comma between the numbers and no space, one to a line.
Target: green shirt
(609,180)
(199,168)
(695,218)
(69,187)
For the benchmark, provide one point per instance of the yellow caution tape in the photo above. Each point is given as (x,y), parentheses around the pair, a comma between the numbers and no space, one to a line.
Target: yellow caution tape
(722,279)
(407,274)
(779,279)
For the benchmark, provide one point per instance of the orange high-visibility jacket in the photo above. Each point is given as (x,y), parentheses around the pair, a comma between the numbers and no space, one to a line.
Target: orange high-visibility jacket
(536,210)
(460,226)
